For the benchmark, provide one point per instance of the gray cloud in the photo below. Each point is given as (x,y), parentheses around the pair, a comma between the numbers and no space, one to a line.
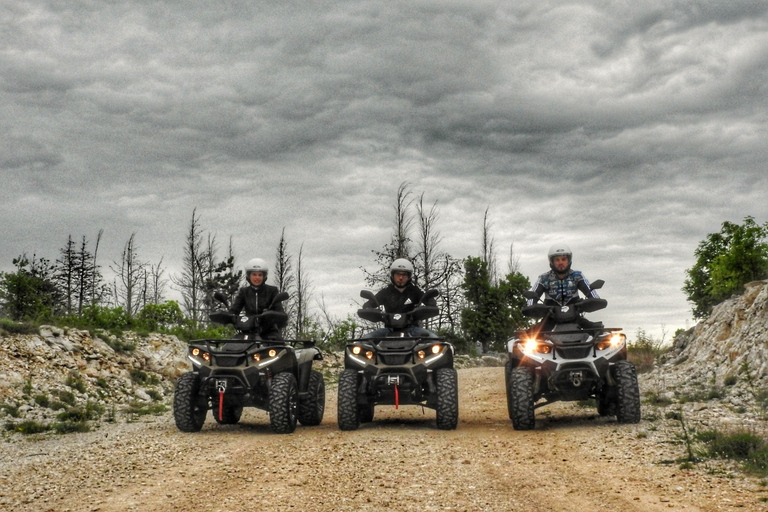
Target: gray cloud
(631,130)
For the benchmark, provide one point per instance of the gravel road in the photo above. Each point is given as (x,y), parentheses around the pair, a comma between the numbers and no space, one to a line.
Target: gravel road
(573,461)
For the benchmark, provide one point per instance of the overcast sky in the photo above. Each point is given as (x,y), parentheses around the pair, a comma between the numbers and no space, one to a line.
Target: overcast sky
(629,130)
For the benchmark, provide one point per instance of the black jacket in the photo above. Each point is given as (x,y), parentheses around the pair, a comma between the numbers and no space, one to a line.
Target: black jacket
(395,301)
(255,300)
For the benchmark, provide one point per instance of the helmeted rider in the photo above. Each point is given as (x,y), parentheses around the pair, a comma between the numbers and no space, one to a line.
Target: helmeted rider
(257,297)
(562,284)
(401,295)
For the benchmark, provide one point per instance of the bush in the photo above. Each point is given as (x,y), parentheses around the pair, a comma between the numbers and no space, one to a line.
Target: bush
(27,427)
(11,327)
(748,448)
(644,351)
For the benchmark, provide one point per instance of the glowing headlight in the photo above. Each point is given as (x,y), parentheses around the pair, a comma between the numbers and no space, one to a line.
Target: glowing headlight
(272,352)
(195,351)
(369,354)
(436,349)
(421,354)
(257,357)
(206,356)
(614,341)
(532,345)
(357,349)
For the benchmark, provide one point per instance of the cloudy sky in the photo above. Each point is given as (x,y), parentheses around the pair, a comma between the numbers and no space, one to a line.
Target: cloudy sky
(629,130)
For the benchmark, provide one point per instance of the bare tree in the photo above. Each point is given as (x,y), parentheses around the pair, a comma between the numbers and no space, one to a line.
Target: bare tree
(400,243)
(301,300)
(130,276)
(191,282)
(489,250)
(513,264)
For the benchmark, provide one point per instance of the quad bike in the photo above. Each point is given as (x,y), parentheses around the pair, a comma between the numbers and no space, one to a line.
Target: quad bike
(398,369)
(248,371)
(573,360)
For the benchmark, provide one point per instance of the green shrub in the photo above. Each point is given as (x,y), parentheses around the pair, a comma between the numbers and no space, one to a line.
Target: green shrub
(76,382)
(746,447)
(66,396)
(27,427)
(11,327)
(143,378)
(10,410)
(644,351)
(68,427)
(42,400)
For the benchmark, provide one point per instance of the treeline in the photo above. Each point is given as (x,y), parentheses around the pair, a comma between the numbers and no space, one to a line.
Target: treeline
(479,305)
(725,262)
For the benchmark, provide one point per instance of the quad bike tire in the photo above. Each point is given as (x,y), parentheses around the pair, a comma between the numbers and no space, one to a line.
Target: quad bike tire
(520,398)
(189,410)
(312,408)
(365,412)
(348,413)
(283,403)
(606,404)
(447,409)
(507,371)
(627,392)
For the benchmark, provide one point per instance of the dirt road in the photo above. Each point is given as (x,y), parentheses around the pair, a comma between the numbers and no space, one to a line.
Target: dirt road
(572,461)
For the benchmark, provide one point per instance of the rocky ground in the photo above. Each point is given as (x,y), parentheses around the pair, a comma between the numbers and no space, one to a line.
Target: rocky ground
(573,460)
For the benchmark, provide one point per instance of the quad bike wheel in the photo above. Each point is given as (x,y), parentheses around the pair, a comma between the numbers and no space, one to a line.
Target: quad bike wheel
(283,403)
(507,372)
(312,408)
(188,409)
(627,392)
(447,409)
(348,412)
(520,398)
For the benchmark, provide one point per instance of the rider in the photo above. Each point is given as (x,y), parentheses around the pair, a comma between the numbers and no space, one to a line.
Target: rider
(402,295)
(257,297)
(562,284)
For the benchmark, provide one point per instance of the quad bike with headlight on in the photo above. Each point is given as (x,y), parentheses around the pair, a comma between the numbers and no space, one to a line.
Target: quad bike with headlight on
(248,371)
(571,360)
(398,369)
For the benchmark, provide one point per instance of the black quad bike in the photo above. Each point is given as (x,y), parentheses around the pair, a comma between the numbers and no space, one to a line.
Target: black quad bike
(247,371)
(573,360)
(398,369)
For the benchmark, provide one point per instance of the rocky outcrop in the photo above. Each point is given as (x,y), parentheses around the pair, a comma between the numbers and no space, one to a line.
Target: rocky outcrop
(717,372)
(732,341)
(41,375)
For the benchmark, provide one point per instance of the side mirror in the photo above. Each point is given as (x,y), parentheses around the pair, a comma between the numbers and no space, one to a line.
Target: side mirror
(280,297)
(429,294)
(597,284)
(369,296)
(220,297)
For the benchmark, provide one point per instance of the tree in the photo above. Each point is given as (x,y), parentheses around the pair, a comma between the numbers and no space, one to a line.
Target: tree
(30,293)
(191,282)
(400,243)
(302,319)
(130,276)
(725,261)
(493,311)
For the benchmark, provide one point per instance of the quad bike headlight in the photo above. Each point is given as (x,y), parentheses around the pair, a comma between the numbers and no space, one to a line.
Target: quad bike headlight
(257,357)
(369,355)
(357,349)
(534,346)
(206,357)
(614,341)
(436,349)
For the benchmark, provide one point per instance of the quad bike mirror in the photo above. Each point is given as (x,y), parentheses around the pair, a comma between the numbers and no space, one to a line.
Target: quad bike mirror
(430,294)
(530,294)
(280,297)
(368,295)
(220,297)
(597,284)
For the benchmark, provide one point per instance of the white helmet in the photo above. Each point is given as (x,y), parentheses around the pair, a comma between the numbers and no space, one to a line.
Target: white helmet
(559,250)
(400,265)
(256,265)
